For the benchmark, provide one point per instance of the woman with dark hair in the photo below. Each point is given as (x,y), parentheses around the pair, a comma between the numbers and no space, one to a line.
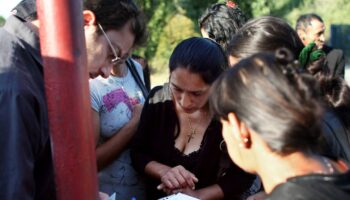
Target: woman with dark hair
(263,34)
(177,142)
(267,34)
(271,125)
(221,21)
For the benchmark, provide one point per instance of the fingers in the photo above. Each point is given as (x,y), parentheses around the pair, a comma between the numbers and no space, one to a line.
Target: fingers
(172,180)
(179,177)
(103,196)
(137,109)
(164,189)
(136,112)
(168,190)
(189,178)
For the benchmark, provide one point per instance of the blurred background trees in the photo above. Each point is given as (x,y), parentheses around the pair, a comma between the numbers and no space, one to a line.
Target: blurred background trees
(170,21)
(2,21)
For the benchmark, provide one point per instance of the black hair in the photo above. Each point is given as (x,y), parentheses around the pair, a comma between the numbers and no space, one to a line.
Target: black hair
(114,14)
(270,95)
(305,20)
(336,94)
(221,22)
(111,14)
(199,55)
(264,34)
(267,34)
(25,10)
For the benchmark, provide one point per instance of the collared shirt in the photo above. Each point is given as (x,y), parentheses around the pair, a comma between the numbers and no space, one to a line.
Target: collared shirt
(26,169)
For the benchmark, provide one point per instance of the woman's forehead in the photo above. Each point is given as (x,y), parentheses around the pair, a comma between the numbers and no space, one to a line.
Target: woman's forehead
(187,80)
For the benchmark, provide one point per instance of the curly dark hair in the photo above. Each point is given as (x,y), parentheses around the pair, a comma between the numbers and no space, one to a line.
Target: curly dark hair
(221,22)
(111,14)
(114,14)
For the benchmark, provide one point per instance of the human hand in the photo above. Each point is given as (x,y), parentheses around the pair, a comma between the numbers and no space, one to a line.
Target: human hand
(258,196)
(187,190)
(103,196)
(136,113)
(177,178)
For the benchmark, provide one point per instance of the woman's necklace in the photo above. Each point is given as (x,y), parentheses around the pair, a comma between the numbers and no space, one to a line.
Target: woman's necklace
(193,129)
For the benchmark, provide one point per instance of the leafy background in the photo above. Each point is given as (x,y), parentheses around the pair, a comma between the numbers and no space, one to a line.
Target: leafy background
(170,21)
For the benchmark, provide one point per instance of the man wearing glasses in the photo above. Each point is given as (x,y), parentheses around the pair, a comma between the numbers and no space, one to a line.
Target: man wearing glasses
(116,103)
(26,170)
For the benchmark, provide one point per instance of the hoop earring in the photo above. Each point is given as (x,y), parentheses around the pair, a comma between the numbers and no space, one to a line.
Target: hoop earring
(222,146)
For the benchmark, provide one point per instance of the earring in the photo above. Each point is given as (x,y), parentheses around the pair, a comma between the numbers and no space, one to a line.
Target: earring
(222,146)
(245,143)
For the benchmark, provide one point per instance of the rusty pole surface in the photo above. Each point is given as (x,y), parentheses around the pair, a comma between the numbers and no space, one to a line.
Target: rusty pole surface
(66,84)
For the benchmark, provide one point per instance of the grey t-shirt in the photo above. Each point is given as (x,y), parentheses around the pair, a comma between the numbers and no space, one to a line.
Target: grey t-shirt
(113,98)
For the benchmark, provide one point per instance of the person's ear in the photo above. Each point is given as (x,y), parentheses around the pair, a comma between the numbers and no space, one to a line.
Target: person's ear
(234,125)
(240,130)
(89,17)
(245,135)
(301,35)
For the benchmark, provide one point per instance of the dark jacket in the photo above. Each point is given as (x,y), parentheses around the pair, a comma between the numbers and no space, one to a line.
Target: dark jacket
(155,141)
(335,61)
(337,138)
(26,169)
(314,187)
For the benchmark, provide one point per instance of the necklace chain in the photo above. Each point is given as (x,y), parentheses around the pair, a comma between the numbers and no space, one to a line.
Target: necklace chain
(193,129)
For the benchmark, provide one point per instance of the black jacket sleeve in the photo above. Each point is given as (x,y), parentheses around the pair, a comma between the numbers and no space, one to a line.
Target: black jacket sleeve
(140,147)
(19,131)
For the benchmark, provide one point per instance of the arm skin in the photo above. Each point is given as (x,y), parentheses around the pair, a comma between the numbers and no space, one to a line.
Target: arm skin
(109,150)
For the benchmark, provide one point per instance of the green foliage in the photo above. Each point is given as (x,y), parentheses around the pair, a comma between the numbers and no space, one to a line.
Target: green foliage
(158,15)
(331,11)
(255,7)
(2,21)
(178,28)
(170,21)
(194,9)
(261,7)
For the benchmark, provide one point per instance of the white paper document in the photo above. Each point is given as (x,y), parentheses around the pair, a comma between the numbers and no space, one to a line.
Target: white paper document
(112,197)
(178,196)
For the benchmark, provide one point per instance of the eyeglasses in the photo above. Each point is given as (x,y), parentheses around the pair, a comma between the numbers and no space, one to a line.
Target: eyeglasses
(116,59)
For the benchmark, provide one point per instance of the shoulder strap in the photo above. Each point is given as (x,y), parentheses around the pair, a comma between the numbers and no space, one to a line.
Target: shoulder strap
(137,77)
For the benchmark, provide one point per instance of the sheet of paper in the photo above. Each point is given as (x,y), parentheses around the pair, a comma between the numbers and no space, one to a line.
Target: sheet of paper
(112,197)
(178,196)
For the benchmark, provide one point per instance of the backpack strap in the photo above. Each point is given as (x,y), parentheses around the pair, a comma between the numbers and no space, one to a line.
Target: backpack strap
(135,74)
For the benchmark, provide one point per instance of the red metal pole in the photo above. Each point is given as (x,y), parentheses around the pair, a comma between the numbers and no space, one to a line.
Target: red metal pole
(66,84)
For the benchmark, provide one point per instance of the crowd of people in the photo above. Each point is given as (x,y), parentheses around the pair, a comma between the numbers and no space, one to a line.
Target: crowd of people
(254,109)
